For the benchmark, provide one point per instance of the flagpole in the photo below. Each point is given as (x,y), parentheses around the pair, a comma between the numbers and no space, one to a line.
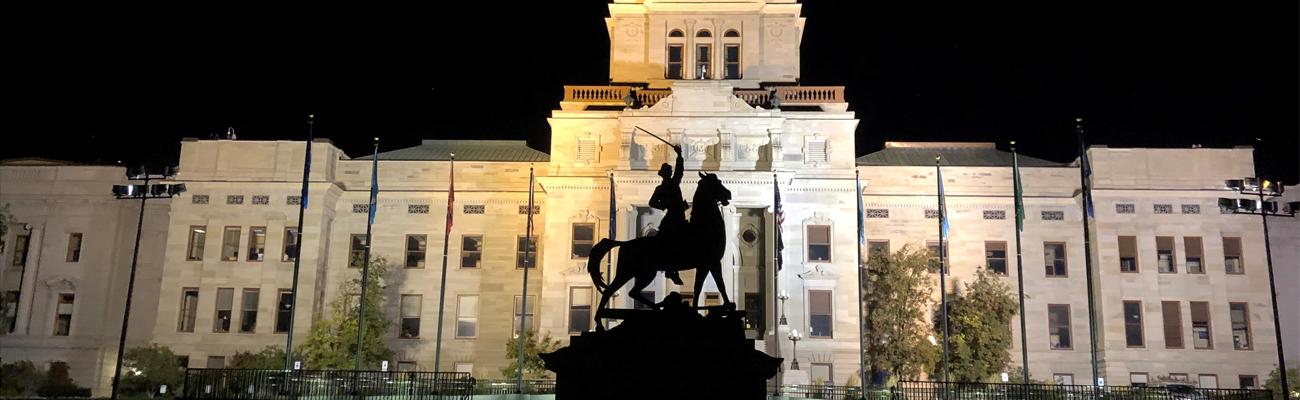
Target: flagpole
(1085,174)
(943,268)
(613,223)
(862,281)
(365,264)
(1020,268)
(776,277)
(297,258)
(523,300)
(446,242)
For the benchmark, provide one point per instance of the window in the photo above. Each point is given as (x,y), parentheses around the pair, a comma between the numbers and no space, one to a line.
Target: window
(471,251)
(291,239)
(819,243)
(1128,260)
(1137,379)
(183,361)
(1240,313)
(731,33)
(463,367)
(1133,336)
(357,251)
(579,309)
(529,321)
(1247,382)
(1232,263)
(1193,251)
(676,33)
(932,247)
(821,324)
(1172,314)
(224,308)
(248,311)
(1207,381)
(415,249)
(877,251)
(284,311)
(1165,255)
(467,316)
(1054,258)
(995,257)
(216,362)
(21,245)
(410,309)
(584,235)
(731,61)
(199,199)
(256,243)
(703,33)
(820,374)
(1202,337)
(525,252)
(588,151)
(8,311)
(189,310)
(674,62)
(1063,379)
(74,248)
(1058,326)
(703,58)
(230,244)
(198,234)
(63,314)
(816,152)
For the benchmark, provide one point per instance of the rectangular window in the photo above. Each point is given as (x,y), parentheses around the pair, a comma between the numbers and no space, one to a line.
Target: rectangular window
(1232,262)
(1202,336)
(820,321)
(1133,324)
(248,311)
(1240,313)
(525,252)
(932,247)
(579,309)
(198,235)
(1058,326)
(1137,379)
(1063,379)
(1128,255)
(1165,255)
(1054,258)
(1207,381)
(819,243)
(877,251)
(410,309)
(995,257)
(189,310)
(416,245)
(257,243)
(8,311)
(467,316)
(731,56)
(820,374)
(463,367)
(216,362)
(1172,314)
(1247,382)
(356,251)
(291,239)
(703,61)
(471,251)
(674,62)
(74,248)
(230,244)
(529,321)
(224,307)
(1193,250)
(584,236)
(63,314)
(21,245)
(284,311)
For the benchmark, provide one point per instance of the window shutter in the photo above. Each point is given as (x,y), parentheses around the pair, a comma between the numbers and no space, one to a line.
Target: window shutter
(588,151)
(816,152)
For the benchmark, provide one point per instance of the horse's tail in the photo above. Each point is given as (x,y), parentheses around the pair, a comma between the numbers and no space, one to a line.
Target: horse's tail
(593,261)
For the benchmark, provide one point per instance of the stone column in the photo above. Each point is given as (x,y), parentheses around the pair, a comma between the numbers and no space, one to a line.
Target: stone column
(27,287)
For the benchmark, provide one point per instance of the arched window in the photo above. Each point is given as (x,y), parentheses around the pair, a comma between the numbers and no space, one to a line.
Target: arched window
(676,57)
(676,33)
(731,33)
(703,33)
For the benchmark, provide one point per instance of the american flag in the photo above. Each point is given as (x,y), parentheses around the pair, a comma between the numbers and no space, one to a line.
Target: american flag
(780,220)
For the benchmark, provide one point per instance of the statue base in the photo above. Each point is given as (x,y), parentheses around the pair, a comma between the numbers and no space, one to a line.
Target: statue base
(674,353)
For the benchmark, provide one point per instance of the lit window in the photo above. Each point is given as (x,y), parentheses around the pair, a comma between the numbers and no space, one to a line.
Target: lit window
(230,244)
(579,309)
(584,236)
(1240,314)
(63,314)
(471,251)
(1054,258)
(415,249)
(467,316)
(820,321)
(74,248)
(410,308)
(1058,326)
(248,311)
(189,309)
(819,243)
(224,307)
(198,234)
(995,257)
(256,243)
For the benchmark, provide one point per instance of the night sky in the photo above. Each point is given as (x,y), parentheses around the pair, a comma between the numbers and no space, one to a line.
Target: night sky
(121,81)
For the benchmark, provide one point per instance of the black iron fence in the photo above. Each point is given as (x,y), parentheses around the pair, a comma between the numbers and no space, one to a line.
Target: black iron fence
(324,385)
(511,386)
(914,390)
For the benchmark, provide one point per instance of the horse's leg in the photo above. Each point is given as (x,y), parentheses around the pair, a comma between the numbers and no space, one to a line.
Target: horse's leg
(716,270)
(637,285)
(700,275)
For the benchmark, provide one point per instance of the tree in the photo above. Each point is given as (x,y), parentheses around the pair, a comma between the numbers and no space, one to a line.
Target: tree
(6,219)
(59,384)
(332,342)
(897,290)
(19,379)
(534,368)
(1274,383)
(979,319)
(271,357)
(148,368)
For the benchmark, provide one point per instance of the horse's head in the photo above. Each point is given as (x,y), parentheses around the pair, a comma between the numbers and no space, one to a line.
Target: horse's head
(710,189)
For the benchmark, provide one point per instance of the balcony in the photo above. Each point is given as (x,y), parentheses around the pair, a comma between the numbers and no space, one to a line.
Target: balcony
(830,98)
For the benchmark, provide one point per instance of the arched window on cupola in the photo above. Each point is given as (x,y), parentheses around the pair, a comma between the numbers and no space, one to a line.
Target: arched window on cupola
(703,55)
(703,33)
(731,54)
(675,55)
(731,33)
(676,33)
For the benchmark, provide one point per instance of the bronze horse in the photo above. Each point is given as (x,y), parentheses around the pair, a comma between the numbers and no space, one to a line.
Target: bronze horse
(700,246)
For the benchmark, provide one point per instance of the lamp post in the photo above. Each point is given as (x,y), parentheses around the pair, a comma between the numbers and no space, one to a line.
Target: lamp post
(794,337)
(783,296)
(1264,209)
(144,192)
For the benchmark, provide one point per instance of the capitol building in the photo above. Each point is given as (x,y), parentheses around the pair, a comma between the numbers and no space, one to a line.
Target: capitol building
(1181,289)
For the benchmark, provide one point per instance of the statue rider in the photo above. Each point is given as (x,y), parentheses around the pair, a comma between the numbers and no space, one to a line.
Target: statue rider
(668,197)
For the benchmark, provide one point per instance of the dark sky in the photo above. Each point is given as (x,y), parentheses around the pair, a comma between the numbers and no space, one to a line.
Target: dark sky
(125,82)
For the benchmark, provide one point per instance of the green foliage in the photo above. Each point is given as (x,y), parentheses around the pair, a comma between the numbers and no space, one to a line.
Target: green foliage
(897,291)
(271,357)
(6,219)
(979,319)
(533,348)
(59,384)
(332,342)
(19,379)
(147,368)
(1017,375)
(1274,382)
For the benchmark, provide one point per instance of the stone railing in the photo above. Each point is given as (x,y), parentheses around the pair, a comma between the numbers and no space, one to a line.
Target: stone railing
(648,97)
(755,97)
(604,95)
(810,94)
(580,96)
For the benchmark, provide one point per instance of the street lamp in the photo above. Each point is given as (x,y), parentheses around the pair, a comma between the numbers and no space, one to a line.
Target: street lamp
(794,337)
(1254,187)
(144,192)
(783,296)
